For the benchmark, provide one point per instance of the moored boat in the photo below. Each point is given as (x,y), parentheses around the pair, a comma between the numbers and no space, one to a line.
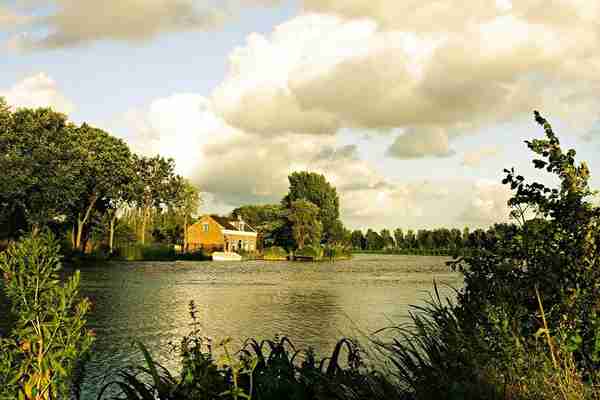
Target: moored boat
(226,256)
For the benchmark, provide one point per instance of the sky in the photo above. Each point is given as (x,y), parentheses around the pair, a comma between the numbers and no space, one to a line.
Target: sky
(411,108)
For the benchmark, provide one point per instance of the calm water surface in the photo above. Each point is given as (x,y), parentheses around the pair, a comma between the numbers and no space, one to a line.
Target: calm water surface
(314,304)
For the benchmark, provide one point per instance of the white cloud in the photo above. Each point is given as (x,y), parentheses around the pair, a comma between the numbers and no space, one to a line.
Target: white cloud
(474,158)
(233,167)
(318,73)
(423,142)
(488,204)
(77,22)
(37,91)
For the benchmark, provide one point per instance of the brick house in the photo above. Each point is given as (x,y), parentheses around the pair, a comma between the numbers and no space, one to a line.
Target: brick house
(214,233)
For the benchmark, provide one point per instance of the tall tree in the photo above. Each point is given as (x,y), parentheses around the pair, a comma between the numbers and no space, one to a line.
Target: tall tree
(269,220)
(187,204)
(40,166)
(314,187)
(156,187)
(373,240)
(388,240)
(306,228)
(358,240)
(410,239)
(106,172)
(399,238)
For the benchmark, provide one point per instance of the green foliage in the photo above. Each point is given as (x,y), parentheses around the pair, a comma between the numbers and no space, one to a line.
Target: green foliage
(141,252)
(312,252)
(373,241)
(555,252)
(314,188)
(40,167)
(358,240)
(106,173)
(268,220)
(334,252)
(275,253)
(526,324)
(38,358)
(306,227)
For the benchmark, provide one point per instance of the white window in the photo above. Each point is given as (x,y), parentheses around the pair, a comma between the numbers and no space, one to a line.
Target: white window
(205,227)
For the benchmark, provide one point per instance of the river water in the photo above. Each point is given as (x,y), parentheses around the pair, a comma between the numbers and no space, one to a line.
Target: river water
(314,304)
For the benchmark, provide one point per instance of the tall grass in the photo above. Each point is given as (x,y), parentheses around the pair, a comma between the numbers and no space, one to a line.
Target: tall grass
(265,370)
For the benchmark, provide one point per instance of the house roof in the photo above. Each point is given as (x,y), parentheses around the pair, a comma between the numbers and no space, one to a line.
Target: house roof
(224,222)
(230,223)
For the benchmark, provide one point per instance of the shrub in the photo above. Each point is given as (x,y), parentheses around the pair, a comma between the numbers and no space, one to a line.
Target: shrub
(275,253)
(336,251)
(526,324)
(39,357)
(141,252)
(314,252)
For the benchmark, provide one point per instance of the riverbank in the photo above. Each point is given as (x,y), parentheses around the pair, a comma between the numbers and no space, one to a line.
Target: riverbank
(410,252)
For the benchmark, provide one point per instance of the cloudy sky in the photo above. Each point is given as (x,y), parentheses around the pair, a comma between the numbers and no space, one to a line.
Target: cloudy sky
(410,108)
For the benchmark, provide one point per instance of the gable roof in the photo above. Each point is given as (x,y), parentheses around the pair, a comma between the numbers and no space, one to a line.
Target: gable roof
(231,224)
(224,222)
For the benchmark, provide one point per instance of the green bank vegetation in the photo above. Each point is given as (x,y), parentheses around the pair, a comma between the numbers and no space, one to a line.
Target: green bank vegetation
(526,324)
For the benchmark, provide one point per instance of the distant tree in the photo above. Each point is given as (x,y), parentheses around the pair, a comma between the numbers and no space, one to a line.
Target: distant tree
(399,238)
(388,240)
(465,237)
(358,240)
(373,240)
(269,221)
(306,227)
(410,239)
(315,188)
(455,239)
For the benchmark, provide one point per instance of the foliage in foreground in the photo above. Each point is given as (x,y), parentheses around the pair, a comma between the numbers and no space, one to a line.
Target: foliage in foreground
(39,357)
(526,325)
(271,369)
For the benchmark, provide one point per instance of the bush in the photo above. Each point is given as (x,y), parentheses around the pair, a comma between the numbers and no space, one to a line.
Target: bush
(199,255)
(313,252)
(527,321)
(38,359)
(275,253)
(140,252)
(337,252)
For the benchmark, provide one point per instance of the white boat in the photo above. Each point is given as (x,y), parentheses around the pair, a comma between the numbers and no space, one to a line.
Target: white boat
(226,256)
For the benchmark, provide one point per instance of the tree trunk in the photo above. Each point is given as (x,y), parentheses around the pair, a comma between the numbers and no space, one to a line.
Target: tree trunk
(144,222)
(73,237)
(81,222)
(112,232)
(185,234)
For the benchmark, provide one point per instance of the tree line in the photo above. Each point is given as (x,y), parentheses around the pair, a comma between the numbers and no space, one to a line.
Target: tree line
(84,183)
(439,240)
